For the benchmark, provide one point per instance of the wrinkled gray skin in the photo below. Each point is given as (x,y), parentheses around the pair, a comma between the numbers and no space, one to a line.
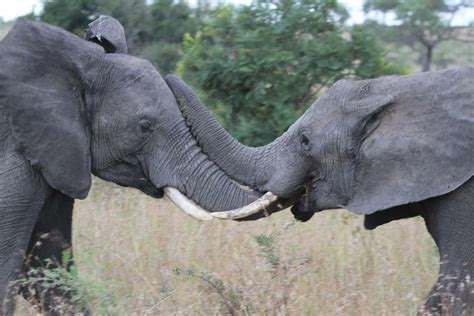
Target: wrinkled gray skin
(388,148)
(69,109)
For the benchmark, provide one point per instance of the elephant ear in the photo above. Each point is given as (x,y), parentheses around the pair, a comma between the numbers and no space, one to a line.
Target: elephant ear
(108,33)
(419,146)
(43,71)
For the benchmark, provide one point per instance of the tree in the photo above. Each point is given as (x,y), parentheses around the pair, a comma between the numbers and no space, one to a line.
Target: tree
(423,22)
(168,23)
(170,20)
(75,15)
(265,63)
(72,15)
(154,30)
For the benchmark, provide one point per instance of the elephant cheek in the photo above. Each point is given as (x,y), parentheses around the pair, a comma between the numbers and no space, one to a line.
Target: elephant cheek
(322,195)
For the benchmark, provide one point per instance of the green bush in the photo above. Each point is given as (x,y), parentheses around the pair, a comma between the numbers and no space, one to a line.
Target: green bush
(83,291)
(265,63)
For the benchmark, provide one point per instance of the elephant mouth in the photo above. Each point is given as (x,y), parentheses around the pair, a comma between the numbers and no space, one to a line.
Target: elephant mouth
(318,196)
(301,210)
(152,191)
(305,207)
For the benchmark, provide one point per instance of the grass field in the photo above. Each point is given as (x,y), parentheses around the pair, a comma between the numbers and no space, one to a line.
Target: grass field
(140,256)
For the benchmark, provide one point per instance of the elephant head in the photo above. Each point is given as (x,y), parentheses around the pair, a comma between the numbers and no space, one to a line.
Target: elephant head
(365,146)
(78,107)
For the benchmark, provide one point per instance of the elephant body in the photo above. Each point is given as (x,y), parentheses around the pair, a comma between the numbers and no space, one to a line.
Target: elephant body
(70,108)
(387,148)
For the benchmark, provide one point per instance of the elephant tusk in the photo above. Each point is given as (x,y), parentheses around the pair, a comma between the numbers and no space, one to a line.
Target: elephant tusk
(197,212)
(186,205)
(261,204)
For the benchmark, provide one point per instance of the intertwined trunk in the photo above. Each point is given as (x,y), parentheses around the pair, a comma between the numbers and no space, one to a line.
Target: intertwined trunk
(189,170)
(247,165)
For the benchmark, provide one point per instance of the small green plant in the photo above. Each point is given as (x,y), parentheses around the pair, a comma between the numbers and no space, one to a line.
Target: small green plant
(244,299)
(76,292)
(267,245)
(230,298)
(285,271)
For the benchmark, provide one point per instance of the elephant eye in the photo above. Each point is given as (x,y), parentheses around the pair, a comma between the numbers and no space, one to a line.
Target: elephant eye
(144,127)
(305,143)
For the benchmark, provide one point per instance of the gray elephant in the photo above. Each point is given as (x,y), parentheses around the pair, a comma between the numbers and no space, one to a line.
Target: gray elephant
(70,108)
(387,148)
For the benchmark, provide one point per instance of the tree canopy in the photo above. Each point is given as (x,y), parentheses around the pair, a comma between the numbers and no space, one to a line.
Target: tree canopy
(154,30)
(265,63)
(423,22)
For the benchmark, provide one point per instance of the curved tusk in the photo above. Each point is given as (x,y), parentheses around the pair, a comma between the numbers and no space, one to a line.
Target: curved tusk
(263,202)
(192,209)
(186,205)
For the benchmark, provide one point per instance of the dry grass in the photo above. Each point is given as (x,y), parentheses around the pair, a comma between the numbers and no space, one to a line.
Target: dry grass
(327,266)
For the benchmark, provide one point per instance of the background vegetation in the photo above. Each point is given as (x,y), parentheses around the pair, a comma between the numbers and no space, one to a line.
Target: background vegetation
(268,61)
(257,67)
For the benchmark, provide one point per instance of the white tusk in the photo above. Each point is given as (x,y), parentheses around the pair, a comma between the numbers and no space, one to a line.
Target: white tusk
(192,209)
(247,210)
(186,205)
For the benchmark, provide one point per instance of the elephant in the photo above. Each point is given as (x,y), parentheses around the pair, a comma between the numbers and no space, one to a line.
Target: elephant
(71,108)
(387,148)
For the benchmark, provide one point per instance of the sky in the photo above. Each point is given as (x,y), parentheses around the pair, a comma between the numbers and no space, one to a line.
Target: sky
(10,9)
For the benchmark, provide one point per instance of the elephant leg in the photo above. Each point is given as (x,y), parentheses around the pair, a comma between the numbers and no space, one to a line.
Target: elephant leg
(450,221)
(20,204)
(14,235)
(51,237)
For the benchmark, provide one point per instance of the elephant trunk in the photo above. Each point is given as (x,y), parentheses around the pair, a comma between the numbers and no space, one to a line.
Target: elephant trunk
(198,186)
(252,166)
(201,180)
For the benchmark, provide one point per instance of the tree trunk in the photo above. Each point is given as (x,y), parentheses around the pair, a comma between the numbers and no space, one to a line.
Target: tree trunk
(427,56)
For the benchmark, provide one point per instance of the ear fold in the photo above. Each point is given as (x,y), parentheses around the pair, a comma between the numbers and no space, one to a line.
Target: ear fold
(42,80)
(420,146)
(366,111)
(108,33)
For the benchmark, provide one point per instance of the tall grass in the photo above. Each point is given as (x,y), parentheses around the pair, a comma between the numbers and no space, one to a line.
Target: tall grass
(144,257)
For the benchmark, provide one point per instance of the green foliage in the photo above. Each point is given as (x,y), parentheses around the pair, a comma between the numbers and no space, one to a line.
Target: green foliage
(165,55)
(170,20)
(72,15)
(86,291)
(154,30)
(265,63)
